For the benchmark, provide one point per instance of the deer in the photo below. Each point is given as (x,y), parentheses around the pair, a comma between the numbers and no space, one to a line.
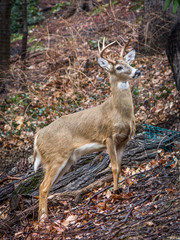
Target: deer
(108,126)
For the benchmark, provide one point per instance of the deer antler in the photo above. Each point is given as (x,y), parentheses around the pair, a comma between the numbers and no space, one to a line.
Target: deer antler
(125,46)
(102,50)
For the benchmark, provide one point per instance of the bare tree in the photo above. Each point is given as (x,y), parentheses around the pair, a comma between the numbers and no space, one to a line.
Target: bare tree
(173,52)
(25,29)
(85,5)
(161,30)
(5,11)
(156,26)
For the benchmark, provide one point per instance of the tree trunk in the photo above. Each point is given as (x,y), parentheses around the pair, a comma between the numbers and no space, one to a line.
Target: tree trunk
(156,26)
(173,52)
(25,30)
(5,11)
(86,5)
(160,30)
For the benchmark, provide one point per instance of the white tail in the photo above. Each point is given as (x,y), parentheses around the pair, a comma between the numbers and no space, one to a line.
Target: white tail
(107,126)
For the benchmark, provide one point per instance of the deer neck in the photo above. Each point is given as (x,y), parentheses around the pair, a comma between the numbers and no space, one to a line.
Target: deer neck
(122,97)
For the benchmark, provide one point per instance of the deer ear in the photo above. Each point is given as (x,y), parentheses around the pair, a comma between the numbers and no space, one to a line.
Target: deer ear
(104,64)
(130,56)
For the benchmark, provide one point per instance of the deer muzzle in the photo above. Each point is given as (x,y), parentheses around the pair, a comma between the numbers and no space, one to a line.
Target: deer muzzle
(137,73)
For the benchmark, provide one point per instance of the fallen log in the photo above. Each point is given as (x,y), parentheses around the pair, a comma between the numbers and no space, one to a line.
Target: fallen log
(91,171)
(87,170)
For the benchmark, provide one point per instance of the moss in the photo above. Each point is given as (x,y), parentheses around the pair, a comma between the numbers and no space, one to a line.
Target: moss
(30,184)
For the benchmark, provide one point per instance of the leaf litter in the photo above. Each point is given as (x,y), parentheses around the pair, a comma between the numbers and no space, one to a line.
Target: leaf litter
(64,78)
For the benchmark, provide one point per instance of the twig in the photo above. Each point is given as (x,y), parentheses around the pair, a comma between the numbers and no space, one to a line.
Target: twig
(9,178)
(103,190)
(106,188)
(127,216)
(4,210)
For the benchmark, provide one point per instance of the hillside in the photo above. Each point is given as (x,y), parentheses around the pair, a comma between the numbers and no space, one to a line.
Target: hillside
(61,76)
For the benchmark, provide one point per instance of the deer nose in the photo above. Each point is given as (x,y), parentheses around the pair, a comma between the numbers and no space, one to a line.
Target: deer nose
(137,73)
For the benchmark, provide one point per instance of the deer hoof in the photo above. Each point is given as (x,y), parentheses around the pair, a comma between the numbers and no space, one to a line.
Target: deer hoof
(118,191)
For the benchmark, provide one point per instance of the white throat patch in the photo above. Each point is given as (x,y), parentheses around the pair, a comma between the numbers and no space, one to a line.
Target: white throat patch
(123,85)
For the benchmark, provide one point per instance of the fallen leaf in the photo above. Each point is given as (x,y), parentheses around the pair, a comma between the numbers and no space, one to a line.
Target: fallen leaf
(172,190)
(69,220)
(101,205)
(59,229)
(19,120)
(129,181)
(108,194)
(150,223)
(7,127)
(143,108)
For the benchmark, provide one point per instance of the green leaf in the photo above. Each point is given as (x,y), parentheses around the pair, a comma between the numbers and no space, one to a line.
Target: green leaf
(136,91)
(175,6)
(115,2)
(167,3)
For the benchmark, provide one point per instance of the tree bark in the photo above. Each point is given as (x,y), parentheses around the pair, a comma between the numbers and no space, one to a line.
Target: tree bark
(86,5)
(25,30)
(5,11)
(156,26)
(159,31)
(173,52)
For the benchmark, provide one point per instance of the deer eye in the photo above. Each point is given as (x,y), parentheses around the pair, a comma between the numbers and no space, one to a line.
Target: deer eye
(119,68)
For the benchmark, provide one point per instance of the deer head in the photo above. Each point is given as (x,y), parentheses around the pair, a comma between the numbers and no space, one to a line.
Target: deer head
(120,69)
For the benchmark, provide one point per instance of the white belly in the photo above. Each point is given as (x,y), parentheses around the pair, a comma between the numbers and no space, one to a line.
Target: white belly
(87,148)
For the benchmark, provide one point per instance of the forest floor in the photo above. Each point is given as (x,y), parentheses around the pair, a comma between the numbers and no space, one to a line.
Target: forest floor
(61,76)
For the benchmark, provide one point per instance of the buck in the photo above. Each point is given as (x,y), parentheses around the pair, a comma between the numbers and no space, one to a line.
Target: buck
(107,126)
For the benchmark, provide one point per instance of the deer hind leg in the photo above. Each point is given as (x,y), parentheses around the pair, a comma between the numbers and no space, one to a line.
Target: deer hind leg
(53,173)
(113,157)
(43,193)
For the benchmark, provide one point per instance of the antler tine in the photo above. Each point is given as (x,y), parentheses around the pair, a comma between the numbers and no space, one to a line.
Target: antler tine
(104,40)
(101,51)
(120,44)
(122,39)
(125,46)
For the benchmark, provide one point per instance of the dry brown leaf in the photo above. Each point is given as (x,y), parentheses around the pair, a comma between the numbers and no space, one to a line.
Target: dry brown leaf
(150,223)
(7,128)
(108,194)
(69,220)
(172,190)
(19,120)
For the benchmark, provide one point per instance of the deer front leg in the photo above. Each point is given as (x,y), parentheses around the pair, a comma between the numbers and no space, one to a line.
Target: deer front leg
(119,151)
(113,158)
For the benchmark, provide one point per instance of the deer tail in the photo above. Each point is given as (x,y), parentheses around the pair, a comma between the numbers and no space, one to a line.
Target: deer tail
(37,155)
